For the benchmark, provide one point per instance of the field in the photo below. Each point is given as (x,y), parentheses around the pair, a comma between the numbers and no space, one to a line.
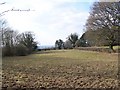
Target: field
(61,69)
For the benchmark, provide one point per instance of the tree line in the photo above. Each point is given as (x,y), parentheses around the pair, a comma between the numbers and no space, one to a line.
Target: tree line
(12,42)
(72,41)
(15,43)
(102,28)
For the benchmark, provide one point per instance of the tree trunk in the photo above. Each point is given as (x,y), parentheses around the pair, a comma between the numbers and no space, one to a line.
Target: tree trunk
(111,48)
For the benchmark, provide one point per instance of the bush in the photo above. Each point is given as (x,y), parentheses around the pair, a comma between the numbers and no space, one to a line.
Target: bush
(21,50)
(8,51)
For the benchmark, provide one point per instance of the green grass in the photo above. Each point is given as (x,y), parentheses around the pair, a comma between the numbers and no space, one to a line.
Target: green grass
(114,47)
(61,68)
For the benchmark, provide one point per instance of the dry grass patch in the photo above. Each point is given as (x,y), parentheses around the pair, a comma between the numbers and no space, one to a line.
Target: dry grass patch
(61,69)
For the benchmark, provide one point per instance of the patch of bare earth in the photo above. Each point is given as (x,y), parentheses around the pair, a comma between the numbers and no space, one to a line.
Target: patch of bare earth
(86,74)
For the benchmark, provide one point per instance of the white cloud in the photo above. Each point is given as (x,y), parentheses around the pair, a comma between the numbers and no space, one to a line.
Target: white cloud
(49,21)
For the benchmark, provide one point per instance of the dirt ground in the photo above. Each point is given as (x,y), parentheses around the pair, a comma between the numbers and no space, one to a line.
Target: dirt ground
(61,69)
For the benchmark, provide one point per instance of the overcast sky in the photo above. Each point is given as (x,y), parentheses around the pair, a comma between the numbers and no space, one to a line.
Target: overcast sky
(50,20)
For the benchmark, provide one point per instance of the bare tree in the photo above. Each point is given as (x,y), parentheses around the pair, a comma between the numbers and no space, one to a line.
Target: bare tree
(73,38)
(27,39)
(105,17)
(3,29)
(8,41)
(12,9)
(59,44)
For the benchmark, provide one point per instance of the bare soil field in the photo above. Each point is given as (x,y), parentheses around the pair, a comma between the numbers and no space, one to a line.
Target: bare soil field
(61,69)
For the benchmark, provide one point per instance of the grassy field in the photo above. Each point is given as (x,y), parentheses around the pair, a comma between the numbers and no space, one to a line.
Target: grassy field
(114,47)
(61,69)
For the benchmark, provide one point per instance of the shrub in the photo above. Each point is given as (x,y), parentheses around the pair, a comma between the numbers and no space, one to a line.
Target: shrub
(21,50)
(7,51)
